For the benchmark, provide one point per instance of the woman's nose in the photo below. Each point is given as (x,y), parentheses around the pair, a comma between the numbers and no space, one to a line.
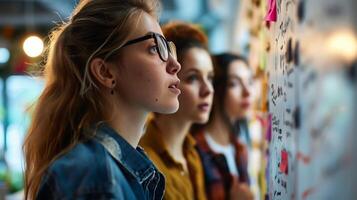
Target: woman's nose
(245,92)
(173,66)
(206,89)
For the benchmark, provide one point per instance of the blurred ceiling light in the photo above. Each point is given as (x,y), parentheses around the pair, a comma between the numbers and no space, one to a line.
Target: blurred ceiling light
(4,55)
(342,44)
(33,46)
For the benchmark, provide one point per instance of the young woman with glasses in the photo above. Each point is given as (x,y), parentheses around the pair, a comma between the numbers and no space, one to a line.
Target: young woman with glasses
(106,69)
(167,140)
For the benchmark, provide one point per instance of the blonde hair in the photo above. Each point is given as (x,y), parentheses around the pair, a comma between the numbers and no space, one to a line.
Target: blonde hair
(71,99)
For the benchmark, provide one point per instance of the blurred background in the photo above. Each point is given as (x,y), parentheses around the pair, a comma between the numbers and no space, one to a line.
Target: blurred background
(305,89)
(24,26)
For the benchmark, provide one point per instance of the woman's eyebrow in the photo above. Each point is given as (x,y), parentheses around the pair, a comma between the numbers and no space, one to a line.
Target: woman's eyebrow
(191,70)
(234,77)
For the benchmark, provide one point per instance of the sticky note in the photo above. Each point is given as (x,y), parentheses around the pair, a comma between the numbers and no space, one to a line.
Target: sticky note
(284,162)
(271,15)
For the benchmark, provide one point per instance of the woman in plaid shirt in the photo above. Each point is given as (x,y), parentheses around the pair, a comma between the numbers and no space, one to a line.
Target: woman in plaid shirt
(224,157)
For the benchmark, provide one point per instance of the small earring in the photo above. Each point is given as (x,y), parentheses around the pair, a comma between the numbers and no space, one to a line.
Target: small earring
(112,91)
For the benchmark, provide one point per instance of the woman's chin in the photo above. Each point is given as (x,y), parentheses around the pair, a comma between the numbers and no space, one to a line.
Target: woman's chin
(201,119)
(168,109)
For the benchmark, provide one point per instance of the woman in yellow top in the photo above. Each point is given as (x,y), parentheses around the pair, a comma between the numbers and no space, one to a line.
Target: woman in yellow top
(167,140)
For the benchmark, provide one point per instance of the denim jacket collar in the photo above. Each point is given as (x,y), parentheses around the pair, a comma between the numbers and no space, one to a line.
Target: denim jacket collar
(133,160)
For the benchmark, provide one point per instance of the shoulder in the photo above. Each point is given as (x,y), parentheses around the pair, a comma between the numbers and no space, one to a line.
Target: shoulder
(153,144)
(241,148)
(202,146)
(153,155)
(85,157)
(160,159)
(87,169)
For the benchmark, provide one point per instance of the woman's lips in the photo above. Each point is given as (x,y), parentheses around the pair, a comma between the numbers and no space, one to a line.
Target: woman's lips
(245,105)
(174,87)
(204,107)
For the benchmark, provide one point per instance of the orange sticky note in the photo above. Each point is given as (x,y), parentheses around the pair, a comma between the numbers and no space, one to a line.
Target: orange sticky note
(271,15)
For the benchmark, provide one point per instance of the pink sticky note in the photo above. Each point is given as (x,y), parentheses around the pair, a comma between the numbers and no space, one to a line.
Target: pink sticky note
(284,162)
(271,15)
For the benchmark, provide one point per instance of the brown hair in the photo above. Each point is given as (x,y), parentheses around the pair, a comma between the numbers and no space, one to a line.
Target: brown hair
(72,99)
(185,36)
(221,63)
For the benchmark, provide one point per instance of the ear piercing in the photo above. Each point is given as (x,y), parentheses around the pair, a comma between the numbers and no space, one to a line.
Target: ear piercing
(112,91)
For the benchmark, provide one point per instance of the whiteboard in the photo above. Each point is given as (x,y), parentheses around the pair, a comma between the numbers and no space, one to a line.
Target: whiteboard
(312,101)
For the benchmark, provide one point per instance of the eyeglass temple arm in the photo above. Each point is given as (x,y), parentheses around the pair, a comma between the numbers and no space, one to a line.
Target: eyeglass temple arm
(146,37)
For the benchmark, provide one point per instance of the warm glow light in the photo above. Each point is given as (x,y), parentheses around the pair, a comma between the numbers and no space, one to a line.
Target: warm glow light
(343,44)
(33,46)
(4,55)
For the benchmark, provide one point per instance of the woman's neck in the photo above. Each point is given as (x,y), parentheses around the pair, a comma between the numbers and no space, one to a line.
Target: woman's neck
(219,130)
(174,133)
(128,122)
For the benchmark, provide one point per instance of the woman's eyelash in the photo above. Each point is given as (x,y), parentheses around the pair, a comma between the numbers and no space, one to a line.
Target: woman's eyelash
(210,78)
(233,83)
(192,77)
(153,49)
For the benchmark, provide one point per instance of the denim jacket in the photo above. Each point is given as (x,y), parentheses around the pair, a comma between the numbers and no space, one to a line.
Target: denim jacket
(104,167)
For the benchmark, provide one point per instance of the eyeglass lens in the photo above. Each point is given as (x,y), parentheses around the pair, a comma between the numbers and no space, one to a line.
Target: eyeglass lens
(165,48)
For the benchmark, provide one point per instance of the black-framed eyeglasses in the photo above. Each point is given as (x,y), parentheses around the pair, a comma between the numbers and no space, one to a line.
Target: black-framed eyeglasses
(163,47)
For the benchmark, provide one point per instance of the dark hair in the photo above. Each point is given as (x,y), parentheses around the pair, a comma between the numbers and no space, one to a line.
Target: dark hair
(221,64)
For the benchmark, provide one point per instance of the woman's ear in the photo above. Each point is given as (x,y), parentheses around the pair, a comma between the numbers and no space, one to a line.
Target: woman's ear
(103,72)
